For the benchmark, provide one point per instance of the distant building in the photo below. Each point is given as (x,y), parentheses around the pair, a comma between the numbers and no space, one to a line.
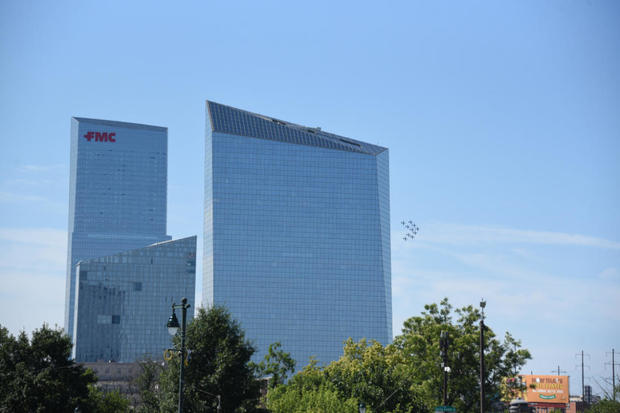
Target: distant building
(297,233)
(124,300)
(117,192)
(587,397)
(117,377)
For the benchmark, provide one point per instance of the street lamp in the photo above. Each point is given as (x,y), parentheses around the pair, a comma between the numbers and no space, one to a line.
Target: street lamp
(173,328)
(362,407)
(173,324)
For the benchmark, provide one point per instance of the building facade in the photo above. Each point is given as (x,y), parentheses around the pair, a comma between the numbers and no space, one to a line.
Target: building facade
(123,301)
(297,235)
(117,192)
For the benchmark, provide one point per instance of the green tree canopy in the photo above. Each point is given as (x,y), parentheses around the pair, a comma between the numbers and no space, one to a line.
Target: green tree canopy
(109,402)
(377,375)
(37,375)
(419,344)
(147,385)
(310,391)
(407,376)
(320,400)
(370,373)
(605,406)
(219,364)
(277,364)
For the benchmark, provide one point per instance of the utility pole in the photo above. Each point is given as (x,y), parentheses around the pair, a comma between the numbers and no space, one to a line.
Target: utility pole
(613,374)
(482,305)
(559,371)
(583,385)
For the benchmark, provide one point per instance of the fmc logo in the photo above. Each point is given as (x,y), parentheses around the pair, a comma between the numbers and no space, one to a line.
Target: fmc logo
(100,136)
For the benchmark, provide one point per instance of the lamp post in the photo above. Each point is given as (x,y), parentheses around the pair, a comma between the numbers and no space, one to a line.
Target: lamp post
(173,328)
(361,407)
(482,305)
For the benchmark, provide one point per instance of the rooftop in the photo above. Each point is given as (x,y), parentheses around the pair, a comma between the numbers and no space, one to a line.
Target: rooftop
(226,119)
(121,124)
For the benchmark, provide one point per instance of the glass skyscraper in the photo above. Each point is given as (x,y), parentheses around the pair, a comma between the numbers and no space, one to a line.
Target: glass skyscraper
(297,234)
(117,192)
(123,301)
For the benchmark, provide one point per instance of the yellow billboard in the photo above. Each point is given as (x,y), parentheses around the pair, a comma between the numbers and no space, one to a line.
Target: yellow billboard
(546,388)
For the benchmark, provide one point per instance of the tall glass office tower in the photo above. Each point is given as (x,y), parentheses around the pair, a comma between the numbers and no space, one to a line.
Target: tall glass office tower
(297,235)
(117,192)
(123,301)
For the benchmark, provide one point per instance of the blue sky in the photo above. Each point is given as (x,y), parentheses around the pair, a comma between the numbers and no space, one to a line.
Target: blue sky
(502,120)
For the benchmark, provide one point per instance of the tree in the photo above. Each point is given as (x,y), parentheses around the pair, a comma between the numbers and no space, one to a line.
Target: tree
(605,406)
(367,372)
(147,385)
(419,343)
(110,402)
(376,375)
(310,391)
(219,365)
(276,364)
(38,375)
(407,376)
(323,400)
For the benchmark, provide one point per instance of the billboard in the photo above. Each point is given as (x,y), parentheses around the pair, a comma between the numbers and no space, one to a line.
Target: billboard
(546,388)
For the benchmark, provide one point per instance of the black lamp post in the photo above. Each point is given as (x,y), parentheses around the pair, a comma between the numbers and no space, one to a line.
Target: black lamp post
(362,407)
(173,328)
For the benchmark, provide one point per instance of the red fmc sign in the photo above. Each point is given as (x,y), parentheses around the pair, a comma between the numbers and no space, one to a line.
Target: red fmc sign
(100,136)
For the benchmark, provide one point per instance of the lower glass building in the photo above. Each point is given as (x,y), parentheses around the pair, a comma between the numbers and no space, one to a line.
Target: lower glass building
(297,235)
(123,301)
